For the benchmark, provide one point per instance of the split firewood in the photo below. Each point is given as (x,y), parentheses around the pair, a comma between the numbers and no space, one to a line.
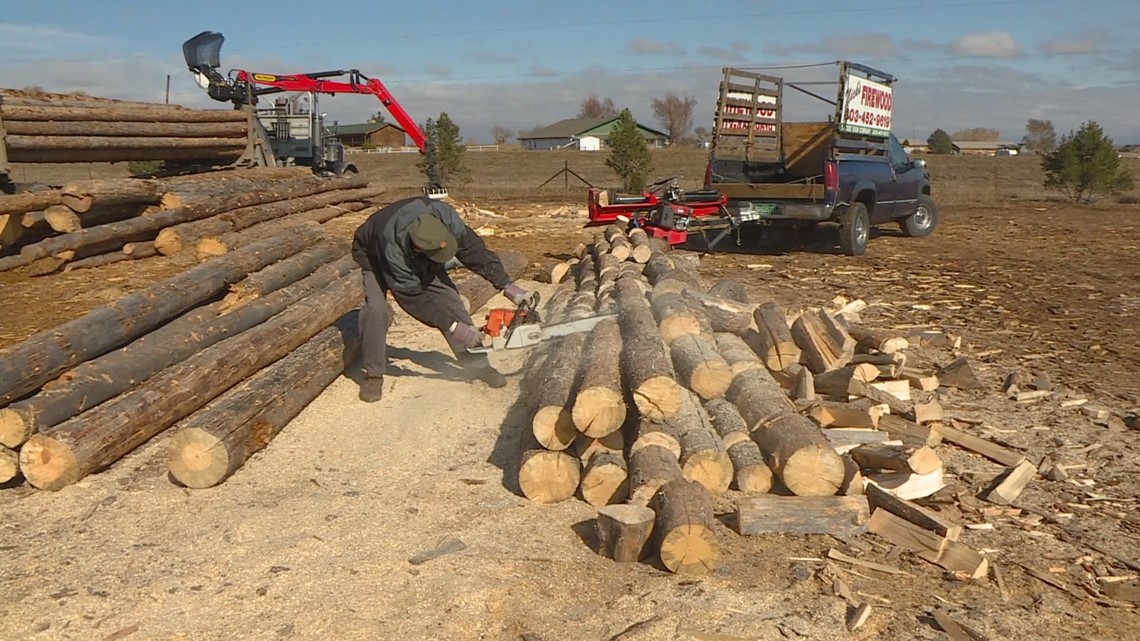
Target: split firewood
(795,449)
(804,389)
(842,383)
(845,439)
(683,532)
(826,345)
(844,517)
(910,433)
(623,531)
(922,460)
(929,546)
(868,340)
(919,380)
(1006,489)
(960,374)
(979,445)
(908,485)
(856,414)
(913,512)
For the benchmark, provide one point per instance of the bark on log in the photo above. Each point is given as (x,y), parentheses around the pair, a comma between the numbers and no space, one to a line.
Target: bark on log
(83,196)
(212,443)
(124,113)
(844,517)
(870,340)
(751,474)
(102,378)
(673,317)
(650,468)
(67,452)
(137,251)
(26,366)
(17,144)
(476,290)
(586,448)
(660,267)
(699,366)
(623,531)
(127,129)
(729,289)
(840,383)
(211,155)
(599,406)
(143,224)
(605,480)
(725,315)
(553,423)
(173,239)
(620,248)
(219,245)
(646,371)
(284,272)
(795,449)
(736,353)
(641,250)
(773,338)
(27,201)
(684,529)
(661,434)
(703,457)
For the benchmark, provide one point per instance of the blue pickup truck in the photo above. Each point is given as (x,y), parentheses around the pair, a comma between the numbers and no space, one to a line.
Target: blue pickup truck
(849,169)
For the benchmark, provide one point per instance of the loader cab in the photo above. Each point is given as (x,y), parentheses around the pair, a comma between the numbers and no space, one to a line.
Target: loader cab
(296,130)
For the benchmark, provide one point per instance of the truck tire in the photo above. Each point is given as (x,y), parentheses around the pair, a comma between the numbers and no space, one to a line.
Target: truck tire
(923,221)
(854,229)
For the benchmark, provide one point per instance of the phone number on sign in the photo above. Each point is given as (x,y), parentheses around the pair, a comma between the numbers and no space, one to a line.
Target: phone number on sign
(869,118)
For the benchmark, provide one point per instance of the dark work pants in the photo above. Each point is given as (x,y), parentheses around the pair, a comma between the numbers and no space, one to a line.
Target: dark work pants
(374,320)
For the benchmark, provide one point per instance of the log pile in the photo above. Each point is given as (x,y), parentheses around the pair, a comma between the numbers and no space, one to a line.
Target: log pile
(56,128)
(97,222)
(791,415)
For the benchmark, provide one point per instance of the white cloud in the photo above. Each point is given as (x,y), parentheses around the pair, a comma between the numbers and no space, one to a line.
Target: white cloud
(647,47)
(39,38)
(741,46)
(880,45)
(1089,39)
(720,53)
(989,44)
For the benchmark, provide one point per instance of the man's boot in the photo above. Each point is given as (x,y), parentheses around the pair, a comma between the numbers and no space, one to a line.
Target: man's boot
(372,389)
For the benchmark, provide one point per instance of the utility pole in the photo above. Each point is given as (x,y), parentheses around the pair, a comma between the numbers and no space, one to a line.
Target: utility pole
(168,89)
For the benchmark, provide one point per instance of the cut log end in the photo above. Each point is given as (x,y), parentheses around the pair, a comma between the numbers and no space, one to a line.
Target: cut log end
(598,411)
(48,464)
(710,468)
(168,242)
(658,398)
(197,458)
(816,470)
(553,428)
(210,247)
(15,427)
(9,465)
(605,480)
(689,549)
(548,477)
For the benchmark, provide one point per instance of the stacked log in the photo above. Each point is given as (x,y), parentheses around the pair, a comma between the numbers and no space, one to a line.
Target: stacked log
(106,221)
(55,128)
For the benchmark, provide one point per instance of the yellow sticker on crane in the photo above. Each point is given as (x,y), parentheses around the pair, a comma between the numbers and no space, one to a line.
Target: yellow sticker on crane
(264,77)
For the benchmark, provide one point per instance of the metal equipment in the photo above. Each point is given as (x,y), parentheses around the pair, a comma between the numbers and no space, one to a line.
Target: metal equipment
(521,327)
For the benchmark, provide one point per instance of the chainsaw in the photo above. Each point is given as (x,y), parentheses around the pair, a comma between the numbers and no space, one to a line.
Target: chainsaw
(521,327)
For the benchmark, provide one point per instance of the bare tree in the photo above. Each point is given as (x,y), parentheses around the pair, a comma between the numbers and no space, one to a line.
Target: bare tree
(675,113)
(502,134)
(1040,137)
(594,107)
(976,134)
(377,118)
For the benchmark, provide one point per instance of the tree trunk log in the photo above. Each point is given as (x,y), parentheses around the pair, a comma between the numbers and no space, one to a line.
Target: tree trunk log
(703,457)
(729,289)
(143,224)
(646,372)
(115,143)
(26,366)
(137,251)
(599,406)
(660,434)
(284,272)
(476,291)
(27,201)
(751,474)
(212,443)
(700,367)
(546,476)
(173,239)
(220,245)
(95,439)
(82,196)
(9,464)
(62,219)
(623,531)
(102,378)
(773,339)
(212,155)
(605,480)
(736,353)
(673,317)
(553,423)
(844,517)
(684,529)
(130,113)
(586,448)
(795,449)
(725,315)
(125,129)
(650,468)
(641,250)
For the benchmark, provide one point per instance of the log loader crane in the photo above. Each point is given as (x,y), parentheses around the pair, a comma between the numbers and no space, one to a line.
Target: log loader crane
(290,134)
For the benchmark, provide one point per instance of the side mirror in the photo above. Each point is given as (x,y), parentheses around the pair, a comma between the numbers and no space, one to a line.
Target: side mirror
(920,163)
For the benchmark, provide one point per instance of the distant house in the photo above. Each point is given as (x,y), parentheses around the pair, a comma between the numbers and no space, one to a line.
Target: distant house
(373,134)
(915,146)
(584,134)
(987,148)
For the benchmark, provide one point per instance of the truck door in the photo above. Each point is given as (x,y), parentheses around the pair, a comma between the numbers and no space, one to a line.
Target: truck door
(908,177)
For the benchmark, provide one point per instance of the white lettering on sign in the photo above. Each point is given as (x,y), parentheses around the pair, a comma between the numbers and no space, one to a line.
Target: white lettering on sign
(866,107)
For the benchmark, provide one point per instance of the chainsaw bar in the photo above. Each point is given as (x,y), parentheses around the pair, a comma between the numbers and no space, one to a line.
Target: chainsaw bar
(531,334)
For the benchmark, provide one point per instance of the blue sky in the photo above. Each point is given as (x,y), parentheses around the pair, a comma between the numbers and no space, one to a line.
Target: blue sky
(960,63)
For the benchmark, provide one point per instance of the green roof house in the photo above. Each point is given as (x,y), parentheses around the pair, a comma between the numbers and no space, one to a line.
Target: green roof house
(584,134)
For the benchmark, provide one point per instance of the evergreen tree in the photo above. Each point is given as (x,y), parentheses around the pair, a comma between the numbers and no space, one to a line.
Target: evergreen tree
(629,153)
(444,151)
(939,142)
(1085,164)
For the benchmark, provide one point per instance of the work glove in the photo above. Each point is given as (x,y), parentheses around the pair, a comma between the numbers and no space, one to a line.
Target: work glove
(467,335)
(517,295)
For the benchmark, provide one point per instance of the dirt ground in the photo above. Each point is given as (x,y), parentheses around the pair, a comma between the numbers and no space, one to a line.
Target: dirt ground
(312,538)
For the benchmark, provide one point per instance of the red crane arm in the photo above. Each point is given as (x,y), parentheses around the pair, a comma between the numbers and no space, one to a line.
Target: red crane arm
(317,83)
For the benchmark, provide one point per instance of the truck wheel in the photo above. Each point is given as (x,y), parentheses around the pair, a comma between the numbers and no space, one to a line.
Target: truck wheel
(854,230)
(923,221)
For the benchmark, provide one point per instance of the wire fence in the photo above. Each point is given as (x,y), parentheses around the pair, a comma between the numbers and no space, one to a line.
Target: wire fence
(409,150)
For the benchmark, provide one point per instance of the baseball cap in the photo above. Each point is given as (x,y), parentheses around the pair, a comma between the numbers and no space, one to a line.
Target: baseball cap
(432,237)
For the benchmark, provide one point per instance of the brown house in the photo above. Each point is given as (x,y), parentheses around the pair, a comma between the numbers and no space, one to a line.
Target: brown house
(372,134)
